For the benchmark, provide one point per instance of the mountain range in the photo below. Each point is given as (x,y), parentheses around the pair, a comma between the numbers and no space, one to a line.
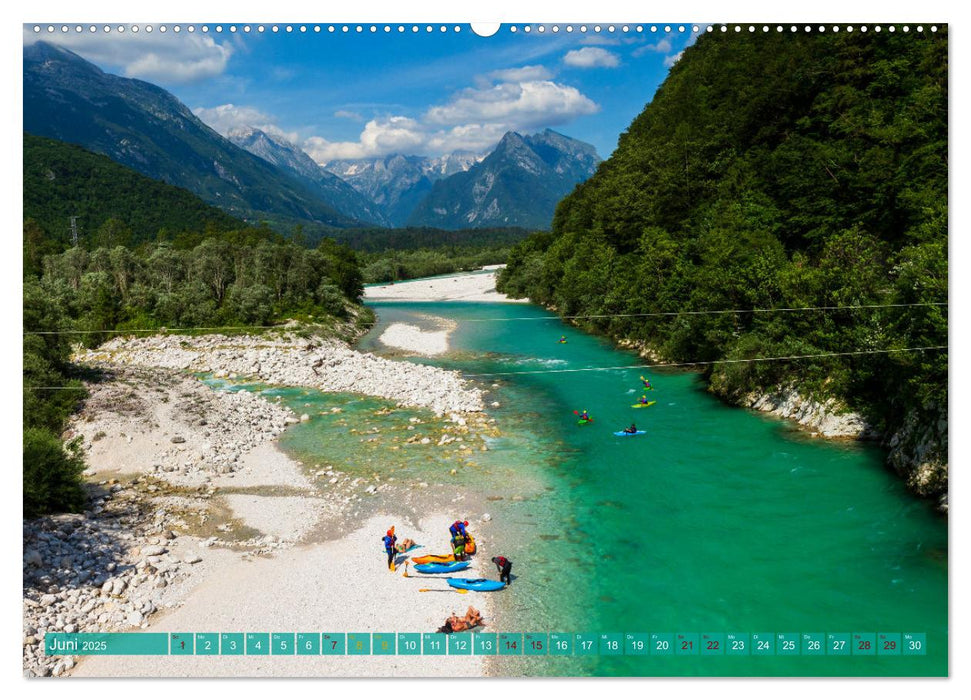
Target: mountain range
(518,184)
(147,129)
(329,187)
(259,176)
(398,183)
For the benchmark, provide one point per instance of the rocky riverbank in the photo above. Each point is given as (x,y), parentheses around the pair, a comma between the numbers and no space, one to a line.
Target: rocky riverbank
(288,359)
(189,493)
(156,444)
(827,418)
(917,451)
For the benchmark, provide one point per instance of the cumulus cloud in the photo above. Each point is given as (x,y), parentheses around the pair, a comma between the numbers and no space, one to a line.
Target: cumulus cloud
(671,60)
(164,58)
(524,104)
(515,75)
(229,117)
(380,136)
(473,119)
(591,57)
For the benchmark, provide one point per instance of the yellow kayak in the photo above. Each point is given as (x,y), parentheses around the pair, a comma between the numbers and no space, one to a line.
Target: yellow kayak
(434,559)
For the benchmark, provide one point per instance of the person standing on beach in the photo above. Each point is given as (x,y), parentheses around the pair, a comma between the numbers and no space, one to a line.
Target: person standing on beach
(458,547)
(505,569)
(389,542)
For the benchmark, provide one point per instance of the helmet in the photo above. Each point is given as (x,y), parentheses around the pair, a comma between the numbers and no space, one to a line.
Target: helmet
(466,523)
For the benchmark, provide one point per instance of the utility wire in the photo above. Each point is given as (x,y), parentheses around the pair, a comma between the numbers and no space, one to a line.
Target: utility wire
(717,311)
(653,366)
(529,318)
(713,362)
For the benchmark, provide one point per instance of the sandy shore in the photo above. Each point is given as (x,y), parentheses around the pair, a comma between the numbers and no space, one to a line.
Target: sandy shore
(198,523)
(339,586)
(421,341)
(461,287)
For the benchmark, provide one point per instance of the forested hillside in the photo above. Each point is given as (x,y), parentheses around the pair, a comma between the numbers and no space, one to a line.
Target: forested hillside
(114,205)
(777,171)
(149,256)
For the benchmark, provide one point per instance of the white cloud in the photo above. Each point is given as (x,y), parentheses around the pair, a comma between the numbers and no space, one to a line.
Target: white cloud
(523,104)
(515,75)
(380,137)
(226,118)
(671,60)
(662,46)
(472,120)
(591,57)
(164,58)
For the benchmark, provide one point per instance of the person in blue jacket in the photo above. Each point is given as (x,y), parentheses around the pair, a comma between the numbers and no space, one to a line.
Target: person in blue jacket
(458,528)
(389,542)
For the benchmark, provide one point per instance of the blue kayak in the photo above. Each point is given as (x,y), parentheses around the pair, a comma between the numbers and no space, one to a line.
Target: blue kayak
(435,568)
(475,584)
(623,434)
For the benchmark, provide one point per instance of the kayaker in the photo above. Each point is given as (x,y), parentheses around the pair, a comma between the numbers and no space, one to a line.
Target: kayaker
(647,383)
(584,415)
(562,338)
(458,547)
(631,430)
(505,568)
(458,528)
(389,546)
(643,399)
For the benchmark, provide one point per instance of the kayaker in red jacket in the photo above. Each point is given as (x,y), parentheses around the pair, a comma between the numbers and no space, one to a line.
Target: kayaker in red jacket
(505,568)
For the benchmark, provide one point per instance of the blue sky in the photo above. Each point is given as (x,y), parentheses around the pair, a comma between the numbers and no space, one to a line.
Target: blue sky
(347,95)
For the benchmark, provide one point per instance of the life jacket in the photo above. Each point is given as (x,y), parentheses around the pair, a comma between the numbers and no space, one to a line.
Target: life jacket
(502,561)
(389,541)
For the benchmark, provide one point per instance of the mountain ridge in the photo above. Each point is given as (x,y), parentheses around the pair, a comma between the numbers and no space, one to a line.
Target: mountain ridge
(146,128)
(518,184)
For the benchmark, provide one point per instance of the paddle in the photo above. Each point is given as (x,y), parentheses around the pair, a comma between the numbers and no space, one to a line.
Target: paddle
(442,590)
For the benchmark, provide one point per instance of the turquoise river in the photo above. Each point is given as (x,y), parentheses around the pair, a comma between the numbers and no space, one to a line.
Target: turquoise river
(718,520)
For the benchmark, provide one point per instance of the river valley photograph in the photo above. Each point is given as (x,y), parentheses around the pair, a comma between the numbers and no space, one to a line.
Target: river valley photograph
(567,350)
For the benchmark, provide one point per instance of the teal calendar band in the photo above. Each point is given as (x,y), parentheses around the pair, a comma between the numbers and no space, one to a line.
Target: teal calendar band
(675,644)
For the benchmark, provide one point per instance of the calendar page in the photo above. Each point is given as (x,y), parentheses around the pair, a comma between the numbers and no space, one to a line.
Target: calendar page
(524,349)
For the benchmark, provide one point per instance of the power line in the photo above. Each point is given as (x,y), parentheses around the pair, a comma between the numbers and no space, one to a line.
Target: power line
(712,362)
(853,307)
(527,318)
(654,366)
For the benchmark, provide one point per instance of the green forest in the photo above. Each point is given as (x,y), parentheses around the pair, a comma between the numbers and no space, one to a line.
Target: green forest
(774,171)
(248,278)
(390,255)
(114,205)
(149,256)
